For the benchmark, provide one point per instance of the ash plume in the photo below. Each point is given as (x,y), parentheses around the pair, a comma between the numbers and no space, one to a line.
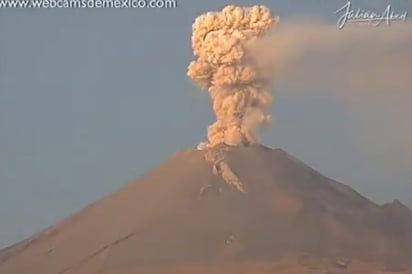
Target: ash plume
(357,60)
(241,52)
(365,67)
(240,95)
(239,92)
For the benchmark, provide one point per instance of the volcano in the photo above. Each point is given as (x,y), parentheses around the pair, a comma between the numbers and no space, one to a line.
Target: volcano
(181,216)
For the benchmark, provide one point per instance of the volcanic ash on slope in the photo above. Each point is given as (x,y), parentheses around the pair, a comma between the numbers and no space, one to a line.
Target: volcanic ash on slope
(218,157)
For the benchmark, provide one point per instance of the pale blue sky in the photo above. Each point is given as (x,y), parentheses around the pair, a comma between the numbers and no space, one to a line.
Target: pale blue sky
(92,99)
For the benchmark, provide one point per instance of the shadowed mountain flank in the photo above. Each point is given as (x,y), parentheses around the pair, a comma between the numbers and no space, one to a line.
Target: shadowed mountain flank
(182,215)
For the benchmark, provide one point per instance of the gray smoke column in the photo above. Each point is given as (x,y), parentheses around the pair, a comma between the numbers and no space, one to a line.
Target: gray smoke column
(240,95)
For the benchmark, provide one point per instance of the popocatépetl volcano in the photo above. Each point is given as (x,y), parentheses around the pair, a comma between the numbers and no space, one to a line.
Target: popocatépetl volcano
(182,214)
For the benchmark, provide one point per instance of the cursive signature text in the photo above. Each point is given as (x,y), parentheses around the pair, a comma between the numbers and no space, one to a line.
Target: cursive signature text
(350,15)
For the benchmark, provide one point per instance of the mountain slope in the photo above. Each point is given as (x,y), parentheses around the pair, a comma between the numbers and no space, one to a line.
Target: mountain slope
(182,214)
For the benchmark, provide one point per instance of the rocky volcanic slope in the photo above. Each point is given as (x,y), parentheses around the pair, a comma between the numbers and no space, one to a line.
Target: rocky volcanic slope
(291,218)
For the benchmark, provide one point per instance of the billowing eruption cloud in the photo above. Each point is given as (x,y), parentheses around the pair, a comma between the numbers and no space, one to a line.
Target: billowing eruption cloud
(240,96)
(240,52)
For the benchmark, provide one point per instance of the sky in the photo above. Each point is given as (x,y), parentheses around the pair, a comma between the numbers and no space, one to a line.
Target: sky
(93,99)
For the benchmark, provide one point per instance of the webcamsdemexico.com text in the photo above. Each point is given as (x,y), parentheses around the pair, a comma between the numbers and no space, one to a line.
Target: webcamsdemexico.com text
(73,4)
